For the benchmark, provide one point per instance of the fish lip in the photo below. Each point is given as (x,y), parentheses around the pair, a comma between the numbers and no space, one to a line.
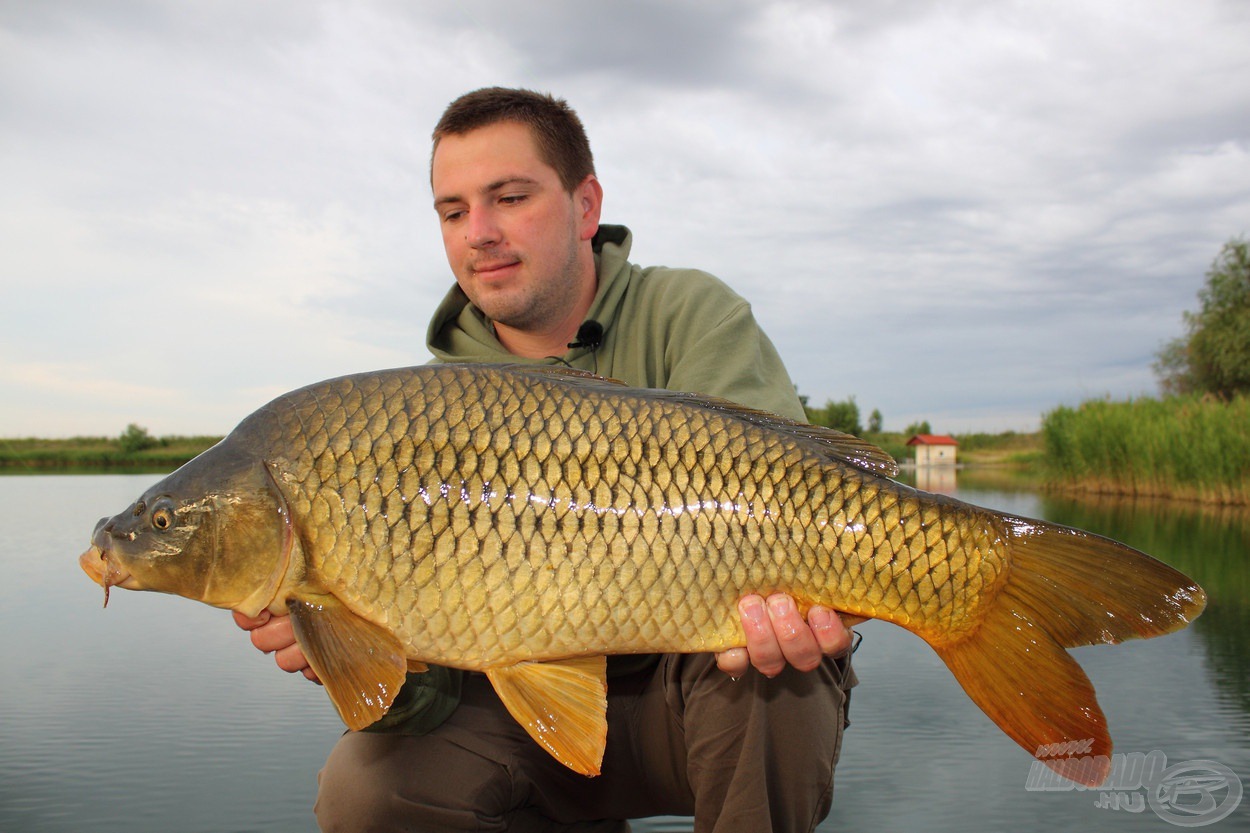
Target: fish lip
(104,569)
(94,563)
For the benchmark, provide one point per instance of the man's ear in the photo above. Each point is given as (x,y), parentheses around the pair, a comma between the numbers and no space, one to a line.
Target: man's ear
(588,200)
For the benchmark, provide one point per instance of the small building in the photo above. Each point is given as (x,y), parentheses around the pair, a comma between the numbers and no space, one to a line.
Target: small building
(934,449)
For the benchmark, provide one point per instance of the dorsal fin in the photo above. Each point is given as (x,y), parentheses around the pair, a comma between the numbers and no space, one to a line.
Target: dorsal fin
(827,442)
(564,373)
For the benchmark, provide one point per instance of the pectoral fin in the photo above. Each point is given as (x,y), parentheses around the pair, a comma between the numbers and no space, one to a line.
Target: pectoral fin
(563,705)
(361,665)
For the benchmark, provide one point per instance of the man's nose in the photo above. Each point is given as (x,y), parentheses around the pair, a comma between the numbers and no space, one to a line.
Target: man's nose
(482,230)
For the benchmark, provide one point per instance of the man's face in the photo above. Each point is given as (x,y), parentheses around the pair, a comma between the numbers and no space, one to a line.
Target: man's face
(514,237)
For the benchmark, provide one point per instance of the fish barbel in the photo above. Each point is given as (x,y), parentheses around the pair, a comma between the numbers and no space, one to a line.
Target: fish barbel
(526,521)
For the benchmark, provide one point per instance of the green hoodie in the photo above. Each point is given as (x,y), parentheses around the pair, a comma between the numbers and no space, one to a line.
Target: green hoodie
(679,329)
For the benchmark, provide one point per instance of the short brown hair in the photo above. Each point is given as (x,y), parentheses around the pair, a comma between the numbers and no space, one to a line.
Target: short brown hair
(557,130)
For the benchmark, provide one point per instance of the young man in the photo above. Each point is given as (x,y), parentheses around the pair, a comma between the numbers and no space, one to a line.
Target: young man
(538,279)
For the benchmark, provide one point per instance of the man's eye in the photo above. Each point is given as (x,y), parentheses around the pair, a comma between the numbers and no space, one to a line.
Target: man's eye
(513,199)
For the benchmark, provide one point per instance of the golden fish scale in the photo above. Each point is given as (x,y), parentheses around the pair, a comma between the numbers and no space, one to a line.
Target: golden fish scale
(487,519)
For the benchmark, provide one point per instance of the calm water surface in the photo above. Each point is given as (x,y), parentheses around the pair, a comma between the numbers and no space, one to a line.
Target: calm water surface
(157,715)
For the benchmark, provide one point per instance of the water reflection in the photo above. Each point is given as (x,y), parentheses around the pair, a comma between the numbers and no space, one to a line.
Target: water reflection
(157,715)
(940,479)
(1211,544)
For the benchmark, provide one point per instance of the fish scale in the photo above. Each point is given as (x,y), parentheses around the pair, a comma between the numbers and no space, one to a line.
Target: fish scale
(526,521)
(576,489)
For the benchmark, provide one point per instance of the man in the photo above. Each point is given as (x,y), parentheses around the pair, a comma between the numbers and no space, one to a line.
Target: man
(538,279)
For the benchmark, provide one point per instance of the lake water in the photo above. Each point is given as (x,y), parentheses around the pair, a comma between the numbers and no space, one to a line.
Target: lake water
(157,715)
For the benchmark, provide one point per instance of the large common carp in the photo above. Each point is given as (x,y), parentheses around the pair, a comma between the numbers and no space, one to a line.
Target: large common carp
(526,521)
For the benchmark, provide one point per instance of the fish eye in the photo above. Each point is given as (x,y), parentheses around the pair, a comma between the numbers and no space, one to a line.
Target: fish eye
(162,516)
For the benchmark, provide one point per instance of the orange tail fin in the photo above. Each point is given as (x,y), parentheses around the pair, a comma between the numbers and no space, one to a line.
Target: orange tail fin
(1064,588)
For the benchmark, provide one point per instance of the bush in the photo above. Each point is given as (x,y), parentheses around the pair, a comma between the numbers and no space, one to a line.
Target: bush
(135,439)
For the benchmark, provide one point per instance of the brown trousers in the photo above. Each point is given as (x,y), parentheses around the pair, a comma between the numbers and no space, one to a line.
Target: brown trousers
(752,755)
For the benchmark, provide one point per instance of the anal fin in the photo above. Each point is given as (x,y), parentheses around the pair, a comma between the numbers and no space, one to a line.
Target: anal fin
(361,665)
(562,705)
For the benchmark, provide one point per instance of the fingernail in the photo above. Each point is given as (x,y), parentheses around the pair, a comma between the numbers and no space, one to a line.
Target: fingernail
(781,605)
(752,608)
(820,618)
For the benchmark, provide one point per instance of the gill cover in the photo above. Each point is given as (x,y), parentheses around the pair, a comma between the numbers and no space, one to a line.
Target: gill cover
(217,530)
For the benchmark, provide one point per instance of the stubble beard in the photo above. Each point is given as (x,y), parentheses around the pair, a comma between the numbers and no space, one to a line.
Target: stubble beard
(533,308)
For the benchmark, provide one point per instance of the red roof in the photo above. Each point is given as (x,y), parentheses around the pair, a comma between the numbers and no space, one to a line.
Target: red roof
(932,439)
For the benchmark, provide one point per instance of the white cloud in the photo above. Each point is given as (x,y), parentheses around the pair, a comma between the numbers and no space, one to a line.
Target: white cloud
(204,206)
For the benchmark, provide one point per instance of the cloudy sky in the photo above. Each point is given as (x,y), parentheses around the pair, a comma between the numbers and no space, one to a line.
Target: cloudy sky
(966,212)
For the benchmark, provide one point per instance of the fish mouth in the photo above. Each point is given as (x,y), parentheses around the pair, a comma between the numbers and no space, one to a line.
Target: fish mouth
(104,570)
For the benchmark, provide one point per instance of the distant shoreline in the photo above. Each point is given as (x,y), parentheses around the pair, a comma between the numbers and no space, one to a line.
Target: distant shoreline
(1023,454)
(98,455)
(106,454)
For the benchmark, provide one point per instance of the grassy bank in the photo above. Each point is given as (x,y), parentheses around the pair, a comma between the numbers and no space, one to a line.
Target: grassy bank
(1009,448)
(1180,447)
(167,453)
(98,454)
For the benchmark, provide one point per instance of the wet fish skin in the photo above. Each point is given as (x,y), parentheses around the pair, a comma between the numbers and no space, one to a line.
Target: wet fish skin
(465,539)
(488,517)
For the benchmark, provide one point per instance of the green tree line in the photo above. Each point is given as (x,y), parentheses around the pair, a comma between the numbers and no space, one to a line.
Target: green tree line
(1213,356)
(134,449)
(1195,441)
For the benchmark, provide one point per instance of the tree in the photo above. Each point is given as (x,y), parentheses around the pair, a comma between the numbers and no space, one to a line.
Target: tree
(1171,366)
(874,422)
(918,428)
(1214,354)
(841,416)
(136,438)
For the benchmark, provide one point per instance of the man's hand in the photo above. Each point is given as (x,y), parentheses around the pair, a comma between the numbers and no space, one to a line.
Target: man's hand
(777,635)
(275,635)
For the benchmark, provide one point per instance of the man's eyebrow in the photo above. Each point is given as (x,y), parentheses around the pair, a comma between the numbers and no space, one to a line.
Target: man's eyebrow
(491,188)
(504,183)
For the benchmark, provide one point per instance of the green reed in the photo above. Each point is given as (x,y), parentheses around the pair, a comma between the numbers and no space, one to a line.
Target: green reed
(1186,447)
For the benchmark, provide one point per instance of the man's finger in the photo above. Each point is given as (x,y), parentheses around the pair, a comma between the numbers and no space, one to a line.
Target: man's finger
(274,635)
(249,623)
(762,645)
(735,662)
(834,636)
(797,642)
(290,659)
